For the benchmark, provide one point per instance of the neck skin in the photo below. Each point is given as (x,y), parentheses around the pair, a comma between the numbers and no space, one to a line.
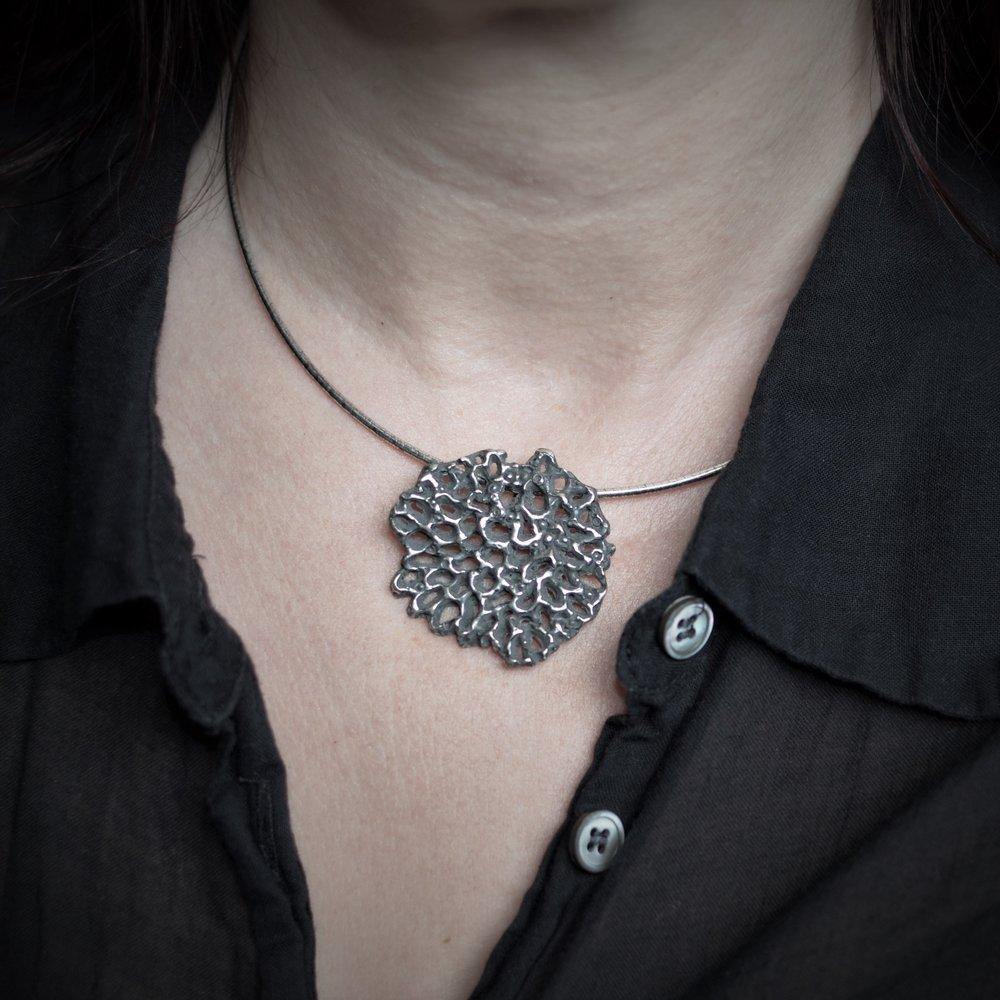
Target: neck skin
(600,214)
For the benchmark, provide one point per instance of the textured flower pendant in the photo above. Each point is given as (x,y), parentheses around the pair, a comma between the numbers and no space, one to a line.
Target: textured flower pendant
(503,555)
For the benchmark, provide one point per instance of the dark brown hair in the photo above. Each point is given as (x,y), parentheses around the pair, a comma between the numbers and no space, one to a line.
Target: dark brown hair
(114,62)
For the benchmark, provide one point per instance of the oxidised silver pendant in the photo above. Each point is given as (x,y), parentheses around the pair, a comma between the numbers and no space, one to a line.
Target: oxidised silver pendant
(503,555)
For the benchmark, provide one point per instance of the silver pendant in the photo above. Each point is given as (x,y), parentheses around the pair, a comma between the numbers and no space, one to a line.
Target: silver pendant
(503,555)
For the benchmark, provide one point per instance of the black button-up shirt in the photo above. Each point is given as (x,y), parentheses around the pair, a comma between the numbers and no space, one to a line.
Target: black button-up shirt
(811,802)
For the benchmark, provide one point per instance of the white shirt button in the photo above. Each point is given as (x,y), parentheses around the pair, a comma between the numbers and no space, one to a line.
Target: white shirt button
(685,627)
(596,839)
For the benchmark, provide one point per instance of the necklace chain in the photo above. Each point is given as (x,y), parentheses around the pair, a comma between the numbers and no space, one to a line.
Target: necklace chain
(331,390)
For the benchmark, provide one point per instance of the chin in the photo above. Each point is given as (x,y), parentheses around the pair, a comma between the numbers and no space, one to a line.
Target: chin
(391,18)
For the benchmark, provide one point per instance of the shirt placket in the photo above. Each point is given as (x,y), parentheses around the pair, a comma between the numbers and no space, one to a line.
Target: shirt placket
(667,650)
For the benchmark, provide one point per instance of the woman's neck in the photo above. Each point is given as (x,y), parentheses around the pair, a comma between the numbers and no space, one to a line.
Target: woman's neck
(587,195)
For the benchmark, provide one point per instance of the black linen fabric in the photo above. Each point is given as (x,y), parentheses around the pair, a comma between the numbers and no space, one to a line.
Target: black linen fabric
(811,802)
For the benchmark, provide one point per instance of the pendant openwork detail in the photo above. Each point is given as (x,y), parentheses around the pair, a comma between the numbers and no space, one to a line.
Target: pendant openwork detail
(501,554)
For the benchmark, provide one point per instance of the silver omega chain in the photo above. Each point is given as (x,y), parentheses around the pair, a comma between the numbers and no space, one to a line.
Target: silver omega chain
(504,555)
(332,390)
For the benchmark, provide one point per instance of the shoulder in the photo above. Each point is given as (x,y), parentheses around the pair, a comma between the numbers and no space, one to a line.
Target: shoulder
(82,285)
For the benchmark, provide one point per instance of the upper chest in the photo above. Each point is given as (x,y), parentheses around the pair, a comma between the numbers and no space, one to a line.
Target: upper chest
(425,780)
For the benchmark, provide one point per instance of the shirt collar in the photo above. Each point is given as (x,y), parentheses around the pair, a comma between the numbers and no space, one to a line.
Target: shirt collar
(856,530)
(92,524)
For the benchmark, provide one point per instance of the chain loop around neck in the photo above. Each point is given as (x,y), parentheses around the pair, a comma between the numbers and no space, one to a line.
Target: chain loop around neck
(331,390)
